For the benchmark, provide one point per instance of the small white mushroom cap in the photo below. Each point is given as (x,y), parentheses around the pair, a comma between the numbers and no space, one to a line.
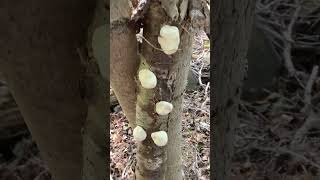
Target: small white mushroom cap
(139,134)
(147,79)
(160,138)
(163,108)
(169,39)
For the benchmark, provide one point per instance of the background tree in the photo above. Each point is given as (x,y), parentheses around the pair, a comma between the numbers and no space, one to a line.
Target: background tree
(46,59)
(232,21)
(140,102)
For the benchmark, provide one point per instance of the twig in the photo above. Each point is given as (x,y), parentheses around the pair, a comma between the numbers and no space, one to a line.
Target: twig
(128,166)
(288,43)
(199,77)
(141,36)
(206,96)
(308,89)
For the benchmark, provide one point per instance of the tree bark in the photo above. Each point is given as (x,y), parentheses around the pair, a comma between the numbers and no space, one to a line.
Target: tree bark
(38,57)
(95,140)
(154,162)
(232,20)
(123,57)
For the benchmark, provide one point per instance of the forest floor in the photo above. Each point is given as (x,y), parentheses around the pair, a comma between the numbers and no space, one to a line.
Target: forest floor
(279,132)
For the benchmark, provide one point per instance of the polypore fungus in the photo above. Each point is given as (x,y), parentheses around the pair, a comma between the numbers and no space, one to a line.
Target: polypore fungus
(160,138)
(169,39)
(147,78)
(163,108)
(139,134)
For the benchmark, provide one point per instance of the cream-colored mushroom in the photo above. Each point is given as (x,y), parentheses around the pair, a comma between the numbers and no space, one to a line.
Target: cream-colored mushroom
(163,108)
(147,79)
(160,138)
(139,134)
(169,39)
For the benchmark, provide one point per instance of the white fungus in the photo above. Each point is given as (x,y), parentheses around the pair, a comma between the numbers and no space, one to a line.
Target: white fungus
(147,79)
(169,39)
(160,138)
(163,108)
(139,134)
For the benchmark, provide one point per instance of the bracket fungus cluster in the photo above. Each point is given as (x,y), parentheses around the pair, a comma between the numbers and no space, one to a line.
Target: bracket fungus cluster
(169,39)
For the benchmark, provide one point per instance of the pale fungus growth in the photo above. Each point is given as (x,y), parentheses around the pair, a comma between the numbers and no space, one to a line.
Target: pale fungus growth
(147,79)
(163,108)
(169,39)
(160,138)
(139,134)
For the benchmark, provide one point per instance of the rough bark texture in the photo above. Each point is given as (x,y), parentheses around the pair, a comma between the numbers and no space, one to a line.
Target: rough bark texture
(124,59)
(94,133)
(232,20)
(38,58)
(120,10)
(155,162)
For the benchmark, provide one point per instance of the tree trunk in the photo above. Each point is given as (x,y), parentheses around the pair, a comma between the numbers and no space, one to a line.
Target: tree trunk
(162,162)
(95,165)
(153,162)
(124,59)
(39,59)
(232,20)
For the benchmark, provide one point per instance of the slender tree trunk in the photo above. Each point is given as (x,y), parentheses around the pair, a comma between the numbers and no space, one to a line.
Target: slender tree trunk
(232,20)
(96,77)
(58,100)
(154,162)
(124,59)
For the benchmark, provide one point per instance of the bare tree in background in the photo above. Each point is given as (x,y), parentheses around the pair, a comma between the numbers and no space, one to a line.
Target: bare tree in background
(232,20)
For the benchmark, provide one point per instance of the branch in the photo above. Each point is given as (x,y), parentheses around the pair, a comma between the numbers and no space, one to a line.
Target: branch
(308,89)
(288,43)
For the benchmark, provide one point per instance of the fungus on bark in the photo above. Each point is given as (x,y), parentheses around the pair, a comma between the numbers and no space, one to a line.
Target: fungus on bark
(163,108)
(139,134)
(147,78)
(160,138)
(169,39)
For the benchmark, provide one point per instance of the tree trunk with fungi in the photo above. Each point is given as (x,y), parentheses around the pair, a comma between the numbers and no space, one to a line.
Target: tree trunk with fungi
(138,103)
(231,30)
(171,71)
